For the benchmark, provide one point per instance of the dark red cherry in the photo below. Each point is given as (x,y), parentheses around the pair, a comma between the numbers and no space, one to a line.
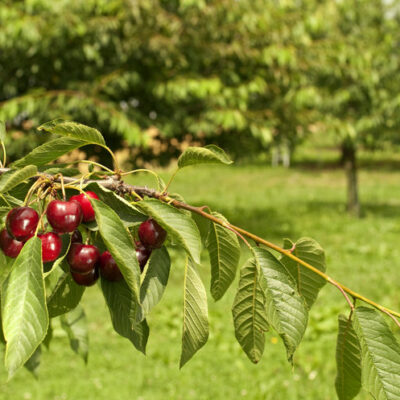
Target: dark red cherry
(151,234)
(64,216)
(82,258)
(87,209)
(88,279)
(76,237)
(51,246)
(142,255)
(21,223)
(109,268)
(9,245)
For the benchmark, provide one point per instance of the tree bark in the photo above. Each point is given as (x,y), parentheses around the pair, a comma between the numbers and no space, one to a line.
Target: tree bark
(349,160)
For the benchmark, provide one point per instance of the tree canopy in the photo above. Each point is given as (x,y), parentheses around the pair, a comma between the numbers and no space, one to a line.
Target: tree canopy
(241,74)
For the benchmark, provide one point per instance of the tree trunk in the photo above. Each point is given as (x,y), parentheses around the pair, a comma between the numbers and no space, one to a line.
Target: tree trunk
(350,166)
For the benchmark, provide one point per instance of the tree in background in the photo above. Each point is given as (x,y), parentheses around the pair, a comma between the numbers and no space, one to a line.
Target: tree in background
(355,64)
(225,72)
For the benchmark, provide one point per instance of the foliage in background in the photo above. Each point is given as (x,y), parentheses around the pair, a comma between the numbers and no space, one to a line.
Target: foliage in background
(244,74)
(231,72)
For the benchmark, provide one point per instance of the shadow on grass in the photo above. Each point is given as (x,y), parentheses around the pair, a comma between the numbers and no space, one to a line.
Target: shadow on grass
(315,208)
(382,210)
(261,221)
(386,165)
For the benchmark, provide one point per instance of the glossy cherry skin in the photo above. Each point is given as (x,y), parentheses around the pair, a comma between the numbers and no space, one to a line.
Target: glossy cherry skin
(64,216)
(88,279)
(87,209)
(108,268)
(21,223)
(151,234)
(51,246)
(9,245)
(82,258)
(142,255)
(76,237)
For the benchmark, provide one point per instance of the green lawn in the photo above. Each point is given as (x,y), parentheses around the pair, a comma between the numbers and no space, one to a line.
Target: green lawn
(273,203)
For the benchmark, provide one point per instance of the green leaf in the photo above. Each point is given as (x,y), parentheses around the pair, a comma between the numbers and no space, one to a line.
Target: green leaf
(33,364)
(195,314)
(74,324)
(20,191)
(49,336)
(73,130)
(249,317)
(2,338)
(348,361)
(63,169)
(119,244)
(155,280)
(203,224)
(286,309)
(380,354)
(50,151)
(6,264)
(178,224)
(4,211)
(128,213)
(25,318)
(122,305)
(13,178)
(308,283)
(6,201)
(2,131)
(210,154)
(65,296)
(224,250)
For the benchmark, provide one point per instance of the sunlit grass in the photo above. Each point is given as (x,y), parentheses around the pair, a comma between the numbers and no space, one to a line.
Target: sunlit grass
(273,203)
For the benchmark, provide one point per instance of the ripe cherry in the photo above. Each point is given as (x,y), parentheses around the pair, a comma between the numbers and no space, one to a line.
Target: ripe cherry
(51,246)
(142,255)
(9,245)
(82,258)
(87,209)
(64,216)
(88,279)
(109,268)
(21,223)
(76,237)
(151,234)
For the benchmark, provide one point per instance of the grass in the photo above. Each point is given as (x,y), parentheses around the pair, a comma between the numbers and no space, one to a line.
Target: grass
(273,203)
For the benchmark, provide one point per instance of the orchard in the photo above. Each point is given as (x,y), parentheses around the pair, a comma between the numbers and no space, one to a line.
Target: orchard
(65,232)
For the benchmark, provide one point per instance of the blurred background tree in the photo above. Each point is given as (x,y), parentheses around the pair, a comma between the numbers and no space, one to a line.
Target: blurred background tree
(155,75)
(220,71)
(354,63)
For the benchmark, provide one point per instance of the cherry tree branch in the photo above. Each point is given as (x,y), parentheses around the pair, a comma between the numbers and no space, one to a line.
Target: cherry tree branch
(115,184)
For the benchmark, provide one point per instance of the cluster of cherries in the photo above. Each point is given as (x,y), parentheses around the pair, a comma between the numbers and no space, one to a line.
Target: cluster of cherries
(85,260)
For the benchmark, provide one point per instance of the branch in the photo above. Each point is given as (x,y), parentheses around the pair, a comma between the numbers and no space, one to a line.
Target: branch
(119,186)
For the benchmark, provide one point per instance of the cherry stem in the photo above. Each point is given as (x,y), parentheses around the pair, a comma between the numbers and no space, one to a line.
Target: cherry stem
(62,187)
(170,181)
(40,222)
(36,185)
